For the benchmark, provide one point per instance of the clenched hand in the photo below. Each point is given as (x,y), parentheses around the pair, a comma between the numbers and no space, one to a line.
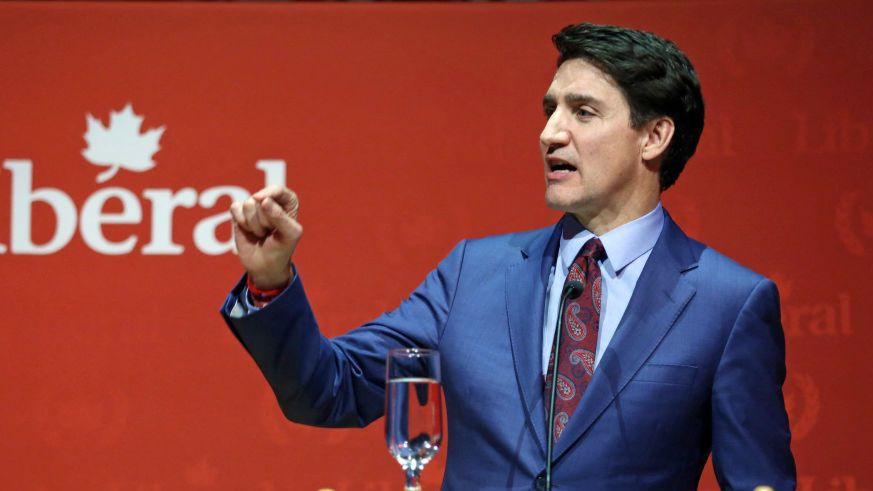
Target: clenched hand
(266,232)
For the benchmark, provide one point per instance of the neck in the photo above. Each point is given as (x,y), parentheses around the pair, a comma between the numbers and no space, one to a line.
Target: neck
(603,220)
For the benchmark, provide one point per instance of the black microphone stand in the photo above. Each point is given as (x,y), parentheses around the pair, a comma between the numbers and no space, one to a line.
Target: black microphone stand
(571,291)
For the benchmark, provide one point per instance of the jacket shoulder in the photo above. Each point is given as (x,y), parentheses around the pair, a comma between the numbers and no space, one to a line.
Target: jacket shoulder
(722,272)
(510,243)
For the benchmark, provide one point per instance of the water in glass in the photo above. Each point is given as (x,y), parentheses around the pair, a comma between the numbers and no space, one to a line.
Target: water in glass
(413,415)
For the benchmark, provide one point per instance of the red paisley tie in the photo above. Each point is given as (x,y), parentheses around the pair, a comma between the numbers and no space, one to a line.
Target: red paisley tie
(579,327)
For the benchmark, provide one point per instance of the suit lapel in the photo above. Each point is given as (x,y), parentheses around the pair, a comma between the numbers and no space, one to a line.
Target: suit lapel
(525,302)
(659,297)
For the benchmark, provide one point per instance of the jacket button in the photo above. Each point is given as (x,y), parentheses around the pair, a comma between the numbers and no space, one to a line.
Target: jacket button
(540,483)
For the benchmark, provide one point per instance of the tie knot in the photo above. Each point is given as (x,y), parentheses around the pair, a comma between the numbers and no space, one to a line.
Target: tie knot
(593,249)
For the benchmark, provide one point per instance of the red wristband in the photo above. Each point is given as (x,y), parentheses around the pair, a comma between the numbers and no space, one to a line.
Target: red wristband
(262,297)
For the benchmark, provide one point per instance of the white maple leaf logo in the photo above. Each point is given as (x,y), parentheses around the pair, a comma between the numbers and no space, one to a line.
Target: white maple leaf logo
(120,145)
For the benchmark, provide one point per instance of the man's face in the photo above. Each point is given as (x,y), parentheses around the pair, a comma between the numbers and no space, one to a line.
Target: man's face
(591,155)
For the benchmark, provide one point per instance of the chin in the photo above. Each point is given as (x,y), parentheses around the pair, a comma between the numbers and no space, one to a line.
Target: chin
(557,206)
(559,201)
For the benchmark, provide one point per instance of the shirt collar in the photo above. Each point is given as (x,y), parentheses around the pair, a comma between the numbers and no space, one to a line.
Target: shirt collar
(622,244)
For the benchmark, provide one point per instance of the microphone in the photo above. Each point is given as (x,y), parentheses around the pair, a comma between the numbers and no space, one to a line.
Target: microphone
(572,290)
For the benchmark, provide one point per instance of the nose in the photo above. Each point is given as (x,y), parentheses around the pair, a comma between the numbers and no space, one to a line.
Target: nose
(555,133)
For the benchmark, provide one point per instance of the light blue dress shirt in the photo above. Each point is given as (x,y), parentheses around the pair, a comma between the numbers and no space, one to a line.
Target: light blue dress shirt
(627,249)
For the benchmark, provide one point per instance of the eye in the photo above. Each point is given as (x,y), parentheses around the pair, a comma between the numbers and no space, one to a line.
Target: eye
(548,110)
(582,112)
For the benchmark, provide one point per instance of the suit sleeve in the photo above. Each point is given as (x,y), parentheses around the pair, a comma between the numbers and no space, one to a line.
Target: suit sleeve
(339,382)
(750,434)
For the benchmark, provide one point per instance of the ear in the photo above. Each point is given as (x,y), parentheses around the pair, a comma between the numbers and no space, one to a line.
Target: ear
(657,137)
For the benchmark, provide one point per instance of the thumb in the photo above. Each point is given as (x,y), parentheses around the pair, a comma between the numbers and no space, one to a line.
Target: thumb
(288,229)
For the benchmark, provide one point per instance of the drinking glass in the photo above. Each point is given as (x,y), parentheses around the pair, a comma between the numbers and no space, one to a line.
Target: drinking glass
(413,410)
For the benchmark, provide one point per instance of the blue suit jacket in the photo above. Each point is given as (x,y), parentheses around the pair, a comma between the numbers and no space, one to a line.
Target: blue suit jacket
(697,363)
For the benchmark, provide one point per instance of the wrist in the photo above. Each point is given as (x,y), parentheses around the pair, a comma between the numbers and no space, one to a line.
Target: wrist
(270,281)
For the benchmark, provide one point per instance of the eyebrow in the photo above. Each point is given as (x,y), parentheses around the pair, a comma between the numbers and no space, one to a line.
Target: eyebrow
(572,99)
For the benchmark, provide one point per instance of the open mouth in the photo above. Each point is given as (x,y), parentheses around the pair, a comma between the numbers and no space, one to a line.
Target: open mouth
(559,168)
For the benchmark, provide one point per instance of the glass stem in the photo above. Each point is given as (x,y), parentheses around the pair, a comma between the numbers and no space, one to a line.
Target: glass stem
(412,483)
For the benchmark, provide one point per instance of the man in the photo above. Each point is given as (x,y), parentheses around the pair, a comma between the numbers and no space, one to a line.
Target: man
(670,350)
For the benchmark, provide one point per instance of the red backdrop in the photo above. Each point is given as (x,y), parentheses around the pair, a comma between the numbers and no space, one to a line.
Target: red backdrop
(404,128)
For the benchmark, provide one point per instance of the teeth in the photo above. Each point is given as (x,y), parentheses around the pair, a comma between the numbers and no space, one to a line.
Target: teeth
(562,167)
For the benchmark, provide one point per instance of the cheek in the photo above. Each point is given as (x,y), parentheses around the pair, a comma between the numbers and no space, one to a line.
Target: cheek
(608,154)
(595,146)
(594,158)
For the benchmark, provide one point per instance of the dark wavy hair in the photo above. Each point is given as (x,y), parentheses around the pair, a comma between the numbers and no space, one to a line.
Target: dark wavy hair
(656,77)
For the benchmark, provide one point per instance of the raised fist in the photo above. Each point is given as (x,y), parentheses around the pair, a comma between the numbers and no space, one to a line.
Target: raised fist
(266,232)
